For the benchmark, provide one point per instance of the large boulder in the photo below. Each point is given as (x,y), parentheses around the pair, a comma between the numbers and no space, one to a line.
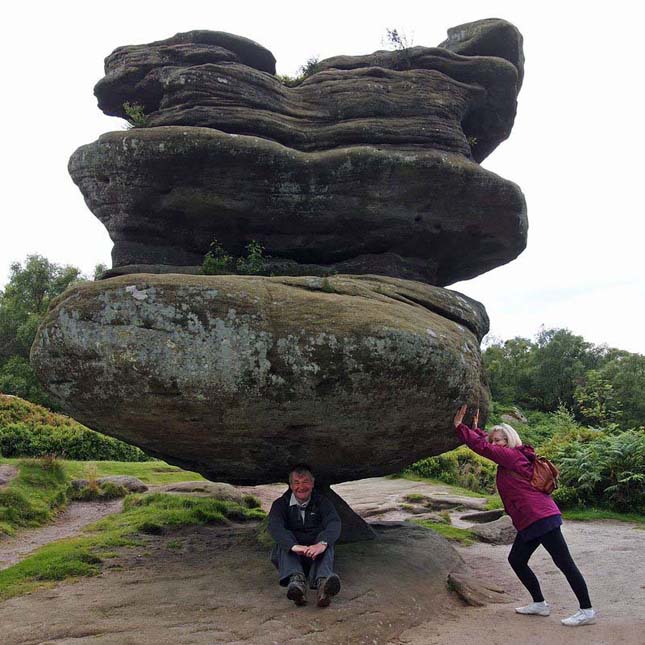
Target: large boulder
(239,377)
(166,193)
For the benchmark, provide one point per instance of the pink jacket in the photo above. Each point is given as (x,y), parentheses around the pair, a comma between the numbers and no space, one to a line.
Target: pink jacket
(522,502)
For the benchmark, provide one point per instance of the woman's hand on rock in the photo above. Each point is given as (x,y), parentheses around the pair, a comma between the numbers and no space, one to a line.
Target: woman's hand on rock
(459,417)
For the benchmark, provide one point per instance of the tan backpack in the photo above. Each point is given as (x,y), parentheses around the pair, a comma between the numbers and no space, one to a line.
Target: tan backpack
(545,475)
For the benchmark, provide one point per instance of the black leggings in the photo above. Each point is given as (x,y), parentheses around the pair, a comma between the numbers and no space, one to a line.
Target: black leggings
(554,543)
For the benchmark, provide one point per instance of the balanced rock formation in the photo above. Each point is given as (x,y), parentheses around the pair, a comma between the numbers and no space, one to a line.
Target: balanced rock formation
(368,168)
(369,165)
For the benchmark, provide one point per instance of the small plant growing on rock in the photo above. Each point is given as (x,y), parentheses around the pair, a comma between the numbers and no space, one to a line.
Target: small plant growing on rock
(253,263)
(402,45)
(217,260)
(304,71)
(135,115)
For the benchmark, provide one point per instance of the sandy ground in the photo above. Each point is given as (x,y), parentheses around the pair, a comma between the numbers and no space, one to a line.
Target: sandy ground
(611,556)
(218,589)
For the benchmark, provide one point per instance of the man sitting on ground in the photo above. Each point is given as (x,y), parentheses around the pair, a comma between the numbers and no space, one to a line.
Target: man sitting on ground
(305,527)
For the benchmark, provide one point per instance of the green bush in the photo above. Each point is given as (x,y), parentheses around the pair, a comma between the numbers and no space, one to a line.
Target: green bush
(135,115)
(30,430)
(459,467)
(82,444)
(217,261)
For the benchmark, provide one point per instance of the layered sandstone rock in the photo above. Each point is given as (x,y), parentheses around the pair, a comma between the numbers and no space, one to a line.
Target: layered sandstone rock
(369,165)
(165,193)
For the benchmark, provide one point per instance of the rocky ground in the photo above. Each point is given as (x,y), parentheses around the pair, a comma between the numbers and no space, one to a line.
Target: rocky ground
(214,585)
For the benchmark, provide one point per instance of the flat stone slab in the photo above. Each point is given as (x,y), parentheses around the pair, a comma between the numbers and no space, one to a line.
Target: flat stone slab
(203,488)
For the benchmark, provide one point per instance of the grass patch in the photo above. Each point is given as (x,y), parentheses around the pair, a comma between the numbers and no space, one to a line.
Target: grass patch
(149,472)
(590,514)
(463,536)
(142,514)
(99,493)
(415,498)
(34,496)
(494,502)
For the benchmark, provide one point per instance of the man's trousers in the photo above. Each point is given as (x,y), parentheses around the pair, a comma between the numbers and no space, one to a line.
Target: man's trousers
(289,563)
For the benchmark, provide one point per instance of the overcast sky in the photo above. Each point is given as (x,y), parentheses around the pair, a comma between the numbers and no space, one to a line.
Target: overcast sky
(576,149)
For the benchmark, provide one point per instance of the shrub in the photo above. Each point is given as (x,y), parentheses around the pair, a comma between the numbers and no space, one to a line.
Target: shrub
(217,261)
(311,66)
(79,443)
(459,467)
(29,430)
(254,261)
(608,470)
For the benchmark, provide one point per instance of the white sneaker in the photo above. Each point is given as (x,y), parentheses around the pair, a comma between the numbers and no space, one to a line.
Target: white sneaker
(535,609)
(581,617)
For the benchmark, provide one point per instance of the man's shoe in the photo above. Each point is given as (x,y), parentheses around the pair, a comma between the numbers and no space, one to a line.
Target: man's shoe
(581,617)
(297,590)
(327,587)
(535,609)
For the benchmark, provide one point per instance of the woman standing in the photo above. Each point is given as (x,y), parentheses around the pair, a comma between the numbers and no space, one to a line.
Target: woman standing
(534,514)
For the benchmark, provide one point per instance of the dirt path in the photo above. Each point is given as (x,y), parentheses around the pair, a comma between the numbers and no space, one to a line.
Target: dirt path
(7,473)
(68,523)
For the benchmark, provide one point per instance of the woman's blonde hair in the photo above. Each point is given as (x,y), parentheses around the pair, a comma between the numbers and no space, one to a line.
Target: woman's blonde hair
(510,434)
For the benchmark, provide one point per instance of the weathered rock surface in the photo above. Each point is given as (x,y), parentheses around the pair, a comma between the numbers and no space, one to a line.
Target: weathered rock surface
(130,483)
(165,193)
(238,377)
(219,490)
(474,591)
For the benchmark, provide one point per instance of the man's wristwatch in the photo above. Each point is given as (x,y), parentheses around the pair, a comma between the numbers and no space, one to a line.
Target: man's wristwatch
(325,543)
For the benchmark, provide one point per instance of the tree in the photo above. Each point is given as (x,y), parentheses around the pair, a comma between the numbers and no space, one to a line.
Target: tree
(596,400)
(559,362)
(626,373)
(23,303)
(508,365)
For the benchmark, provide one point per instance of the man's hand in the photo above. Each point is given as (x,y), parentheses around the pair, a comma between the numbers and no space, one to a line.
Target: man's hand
(300,549)
(459,417)
(315,550)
